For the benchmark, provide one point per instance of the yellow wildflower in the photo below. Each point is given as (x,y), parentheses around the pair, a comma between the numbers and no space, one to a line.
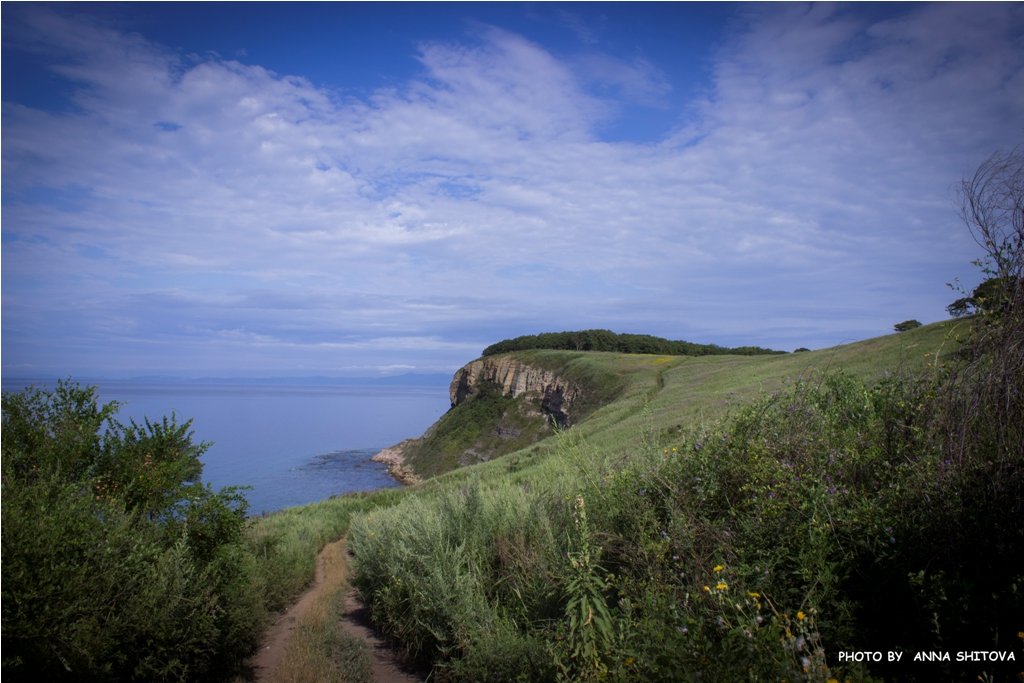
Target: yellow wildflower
(800,616)
(721,586)
(754,594)
(706,589)
(719,567)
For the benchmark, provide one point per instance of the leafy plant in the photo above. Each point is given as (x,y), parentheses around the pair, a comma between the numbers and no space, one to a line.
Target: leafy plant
(588,638)
(118,565)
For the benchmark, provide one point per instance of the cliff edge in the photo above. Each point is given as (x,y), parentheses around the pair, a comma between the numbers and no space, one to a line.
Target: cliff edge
(554,396)
(499,404)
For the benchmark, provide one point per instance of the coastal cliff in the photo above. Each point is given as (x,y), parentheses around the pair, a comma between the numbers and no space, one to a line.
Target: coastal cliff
(553,394)
(499,404)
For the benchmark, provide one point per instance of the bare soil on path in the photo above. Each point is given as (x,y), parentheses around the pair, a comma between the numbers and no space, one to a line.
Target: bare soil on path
(332,572)
(386,665)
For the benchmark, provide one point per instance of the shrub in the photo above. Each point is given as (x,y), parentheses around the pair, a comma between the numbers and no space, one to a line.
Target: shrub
(906,325)
(117,564)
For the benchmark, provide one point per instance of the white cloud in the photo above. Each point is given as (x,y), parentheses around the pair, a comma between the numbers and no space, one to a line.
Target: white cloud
(479,196)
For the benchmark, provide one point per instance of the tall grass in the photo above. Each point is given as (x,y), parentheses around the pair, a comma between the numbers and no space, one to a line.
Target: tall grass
(827,515)
(285,544)
(487,573)
(456,574)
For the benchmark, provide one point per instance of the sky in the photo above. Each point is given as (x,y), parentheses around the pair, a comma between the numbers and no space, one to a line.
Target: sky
(369,189)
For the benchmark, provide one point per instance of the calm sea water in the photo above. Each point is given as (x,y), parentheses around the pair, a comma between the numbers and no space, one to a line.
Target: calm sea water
(292,444)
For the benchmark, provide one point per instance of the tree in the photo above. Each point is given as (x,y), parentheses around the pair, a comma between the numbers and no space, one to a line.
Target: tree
(992,207)
(962,307)
(906,325)
(991,296)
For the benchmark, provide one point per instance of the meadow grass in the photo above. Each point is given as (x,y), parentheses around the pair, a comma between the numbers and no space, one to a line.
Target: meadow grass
(722,518)
(286,543)
(661,396)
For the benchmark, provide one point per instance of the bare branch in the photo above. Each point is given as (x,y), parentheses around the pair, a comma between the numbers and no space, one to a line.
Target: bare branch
(992,207)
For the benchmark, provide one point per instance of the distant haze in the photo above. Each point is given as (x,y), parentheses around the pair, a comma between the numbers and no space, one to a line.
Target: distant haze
(362,190)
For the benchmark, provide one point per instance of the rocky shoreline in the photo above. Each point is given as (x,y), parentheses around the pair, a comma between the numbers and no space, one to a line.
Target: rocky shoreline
(394,458)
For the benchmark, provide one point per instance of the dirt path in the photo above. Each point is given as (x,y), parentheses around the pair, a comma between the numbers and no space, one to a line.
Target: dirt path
(332,572)
(386,668)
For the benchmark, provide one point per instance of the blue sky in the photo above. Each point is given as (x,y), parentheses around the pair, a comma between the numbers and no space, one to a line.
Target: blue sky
(349,189)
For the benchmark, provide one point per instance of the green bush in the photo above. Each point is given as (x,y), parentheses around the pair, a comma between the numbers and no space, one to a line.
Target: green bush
(907,325)
(838,501)
(117,565)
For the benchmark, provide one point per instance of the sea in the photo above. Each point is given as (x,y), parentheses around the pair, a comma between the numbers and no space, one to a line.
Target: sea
(289,443)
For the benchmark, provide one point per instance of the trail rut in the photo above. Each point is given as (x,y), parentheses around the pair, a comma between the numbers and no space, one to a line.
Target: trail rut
(332,573)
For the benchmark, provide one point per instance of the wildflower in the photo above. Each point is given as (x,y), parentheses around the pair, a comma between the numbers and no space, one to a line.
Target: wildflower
(805,663)
(721,586)
(719,567)
(800,616)
(629,661)
(754,594)
(706,589)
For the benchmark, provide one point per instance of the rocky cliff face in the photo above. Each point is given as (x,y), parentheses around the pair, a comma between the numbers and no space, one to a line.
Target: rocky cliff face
(513,406)
(514,378)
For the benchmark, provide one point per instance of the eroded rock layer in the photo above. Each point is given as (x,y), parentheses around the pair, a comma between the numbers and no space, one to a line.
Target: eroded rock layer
(515,378)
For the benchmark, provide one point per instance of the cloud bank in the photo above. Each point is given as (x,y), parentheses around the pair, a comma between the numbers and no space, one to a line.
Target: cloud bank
(196,215)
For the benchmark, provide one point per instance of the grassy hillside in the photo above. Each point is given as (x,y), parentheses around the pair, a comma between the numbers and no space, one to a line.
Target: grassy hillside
(721,518)
(657,397)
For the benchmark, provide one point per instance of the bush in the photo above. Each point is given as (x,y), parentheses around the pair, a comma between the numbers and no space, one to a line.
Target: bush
(906,325)
(117,565)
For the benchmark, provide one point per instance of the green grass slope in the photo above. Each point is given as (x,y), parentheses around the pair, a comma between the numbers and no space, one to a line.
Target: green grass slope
(632,396)
(661,396)
(719,518)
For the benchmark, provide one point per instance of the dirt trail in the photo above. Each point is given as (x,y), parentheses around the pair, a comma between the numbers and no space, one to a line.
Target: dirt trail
(332,572)
(386,667)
